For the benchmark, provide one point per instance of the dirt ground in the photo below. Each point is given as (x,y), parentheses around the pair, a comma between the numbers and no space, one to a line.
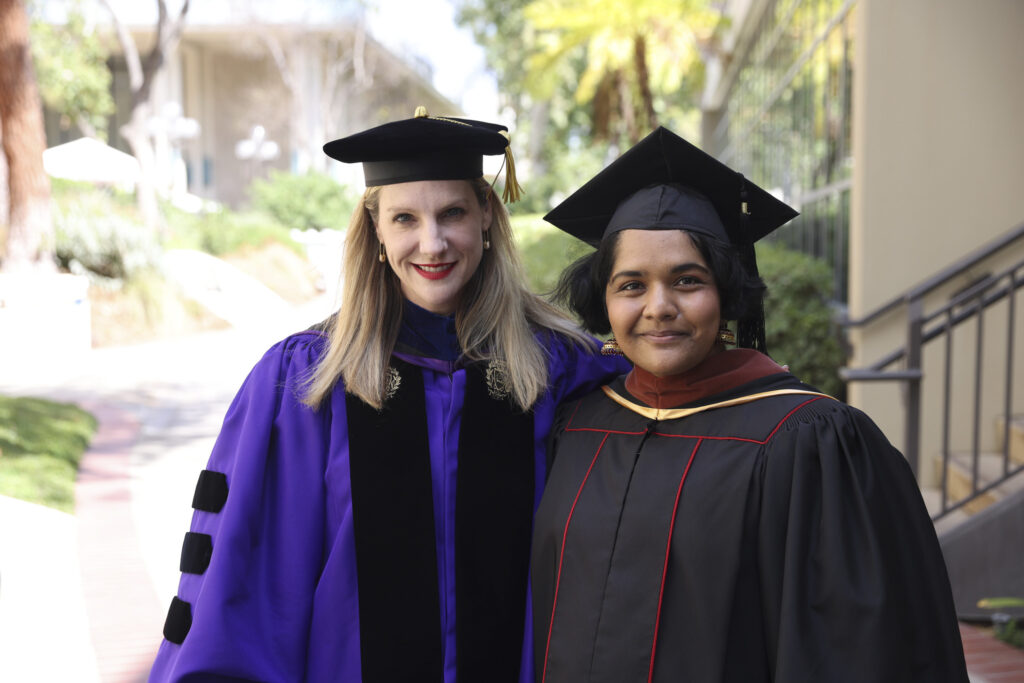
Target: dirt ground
(153,309)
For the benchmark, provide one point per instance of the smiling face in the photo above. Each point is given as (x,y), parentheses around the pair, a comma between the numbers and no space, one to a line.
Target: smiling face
(433,233)
(662,301)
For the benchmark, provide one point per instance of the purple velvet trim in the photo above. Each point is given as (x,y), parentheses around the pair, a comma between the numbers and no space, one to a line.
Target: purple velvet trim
(443,366)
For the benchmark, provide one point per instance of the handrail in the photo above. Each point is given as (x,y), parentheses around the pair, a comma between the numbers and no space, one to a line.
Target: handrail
(875,370)
(941,278)
(970,303)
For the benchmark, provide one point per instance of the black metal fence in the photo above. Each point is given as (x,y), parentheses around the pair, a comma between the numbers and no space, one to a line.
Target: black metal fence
(787,122)
(967,309)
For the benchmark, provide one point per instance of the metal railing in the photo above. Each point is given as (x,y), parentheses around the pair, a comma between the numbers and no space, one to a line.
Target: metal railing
(923,327)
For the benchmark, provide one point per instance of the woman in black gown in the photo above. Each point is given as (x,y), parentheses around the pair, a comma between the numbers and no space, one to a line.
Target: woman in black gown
(708,517)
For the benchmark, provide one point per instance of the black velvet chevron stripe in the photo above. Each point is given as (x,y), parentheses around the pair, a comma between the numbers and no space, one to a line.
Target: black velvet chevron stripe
(393,521)
(196,551)
(211,491)
(494,517)
(179,621)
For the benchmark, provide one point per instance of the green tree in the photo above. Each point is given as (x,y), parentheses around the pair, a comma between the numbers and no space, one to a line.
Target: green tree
(556,62)
(71,68)
(641,55)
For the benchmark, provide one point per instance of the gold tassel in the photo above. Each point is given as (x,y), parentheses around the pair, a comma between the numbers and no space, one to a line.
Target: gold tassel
(512,191)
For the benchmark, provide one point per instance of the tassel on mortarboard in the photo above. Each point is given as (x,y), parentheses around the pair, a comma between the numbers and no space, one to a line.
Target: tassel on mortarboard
(512,192)
(750,326)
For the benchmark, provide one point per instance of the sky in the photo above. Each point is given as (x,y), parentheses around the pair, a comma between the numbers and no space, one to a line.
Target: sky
(427,29)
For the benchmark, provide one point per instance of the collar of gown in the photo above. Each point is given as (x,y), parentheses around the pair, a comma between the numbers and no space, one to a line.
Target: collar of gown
(718,373)
(424,333)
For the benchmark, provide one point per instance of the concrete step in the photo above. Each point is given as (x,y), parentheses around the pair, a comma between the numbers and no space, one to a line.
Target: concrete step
(1016,437)
(990,469)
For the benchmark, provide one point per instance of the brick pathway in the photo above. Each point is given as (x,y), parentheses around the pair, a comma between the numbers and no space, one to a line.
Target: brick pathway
(991,659)
(125,619)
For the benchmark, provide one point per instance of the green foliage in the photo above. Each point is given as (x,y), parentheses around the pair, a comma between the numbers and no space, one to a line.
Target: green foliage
(311,201)
(41,443)
(223,232)
(97,238)
(1000,603)
(801,331)
(71,70)
(1011,633)
(568,71)
(546,251)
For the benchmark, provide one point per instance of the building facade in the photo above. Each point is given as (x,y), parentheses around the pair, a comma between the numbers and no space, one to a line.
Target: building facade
(258,86)
(893,126)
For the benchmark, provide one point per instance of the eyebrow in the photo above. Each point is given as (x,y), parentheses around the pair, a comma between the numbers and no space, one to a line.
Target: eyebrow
(454,201)
(681,268)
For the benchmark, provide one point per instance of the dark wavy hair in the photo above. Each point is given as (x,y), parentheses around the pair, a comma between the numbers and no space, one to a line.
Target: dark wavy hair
(582,285)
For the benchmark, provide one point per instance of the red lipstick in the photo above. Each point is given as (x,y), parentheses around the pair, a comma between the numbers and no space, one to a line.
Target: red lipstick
(434,271)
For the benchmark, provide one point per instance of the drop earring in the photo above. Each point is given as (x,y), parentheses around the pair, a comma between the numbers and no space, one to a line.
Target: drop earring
(487,240)
(611,348)
(726,336)
(382,255)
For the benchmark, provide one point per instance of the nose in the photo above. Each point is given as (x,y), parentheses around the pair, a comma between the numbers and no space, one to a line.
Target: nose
(432,239)
(660,304)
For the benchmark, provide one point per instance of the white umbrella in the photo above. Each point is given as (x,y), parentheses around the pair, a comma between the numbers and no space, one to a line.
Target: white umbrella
(90,160)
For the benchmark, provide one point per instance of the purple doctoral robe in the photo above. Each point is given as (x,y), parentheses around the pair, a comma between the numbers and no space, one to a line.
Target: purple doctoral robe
(270,588)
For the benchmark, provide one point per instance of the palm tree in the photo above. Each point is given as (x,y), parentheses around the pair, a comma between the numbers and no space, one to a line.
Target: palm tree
(638,53)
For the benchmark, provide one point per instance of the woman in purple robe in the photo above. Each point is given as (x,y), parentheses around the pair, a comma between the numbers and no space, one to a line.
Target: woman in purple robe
(366,511)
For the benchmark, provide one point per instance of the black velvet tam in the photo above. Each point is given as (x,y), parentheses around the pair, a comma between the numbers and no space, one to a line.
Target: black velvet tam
(421,148)
(662,183)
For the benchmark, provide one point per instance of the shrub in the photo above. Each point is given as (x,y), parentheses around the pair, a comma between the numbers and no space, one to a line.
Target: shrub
(545,250)
(224,232)
(94,239)
(800,327)
(308,201)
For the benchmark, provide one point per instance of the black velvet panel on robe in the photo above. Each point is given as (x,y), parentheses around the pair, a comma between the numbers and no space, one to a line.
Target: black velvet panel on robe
(779,540)
(399,603)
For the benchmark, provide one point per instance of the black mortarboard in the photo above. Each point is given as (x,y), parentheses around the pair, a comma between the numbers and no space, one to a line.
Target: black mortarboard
(662,183)
(426,148)
(711,200)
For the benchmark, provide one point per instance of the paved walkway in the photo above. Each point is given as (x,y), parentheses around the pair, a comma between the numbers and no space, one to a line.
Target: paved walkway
(990,660)
(83,598)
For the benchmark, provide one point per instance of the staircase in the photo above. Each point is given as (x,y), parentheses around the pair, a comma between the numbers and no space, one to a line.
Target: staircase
(987,305)
(977,492)
(970,343)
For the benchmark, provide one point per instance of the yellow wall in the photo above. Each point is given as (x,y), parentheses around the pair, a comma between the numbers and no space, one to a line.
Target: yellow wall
(939,169)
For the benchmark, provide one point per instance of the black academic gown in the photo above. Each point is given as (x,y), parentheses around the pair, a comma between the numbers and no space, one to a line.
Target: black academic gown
(769,533)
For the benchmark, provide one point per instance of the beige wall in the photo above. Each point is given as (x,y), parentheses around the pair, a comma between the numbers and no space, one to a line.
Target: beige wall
(939,171)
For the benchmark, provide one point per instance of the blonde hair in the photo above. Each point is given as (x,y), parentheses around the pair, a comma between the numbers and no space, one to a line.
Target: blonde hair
(496,318)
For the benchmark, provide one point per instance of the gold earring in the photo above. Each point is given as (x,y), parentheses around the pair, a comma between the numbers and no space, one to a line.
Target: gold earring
(726,336)
(487,241)
(382,255)
(611,348)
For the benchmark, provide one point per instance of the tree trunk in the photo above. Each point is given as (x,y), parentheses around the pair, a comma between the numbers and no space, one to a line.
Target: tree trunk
(141,74)
(142,149)
(643,78)
(30,228)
